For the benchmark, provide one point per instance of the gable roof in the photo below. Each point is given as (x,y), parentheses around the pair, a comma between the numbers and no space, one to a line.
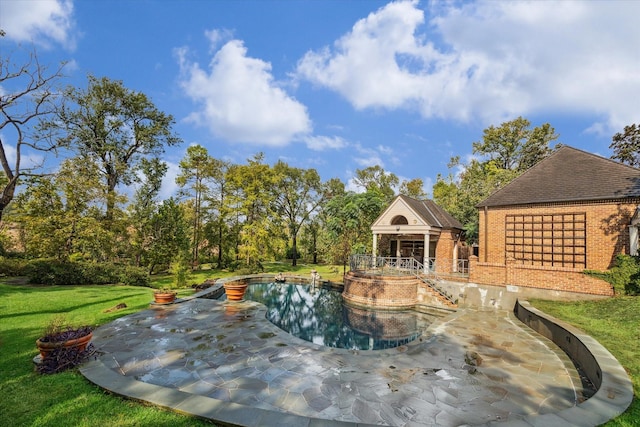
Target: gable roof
(569,175)
(431,212)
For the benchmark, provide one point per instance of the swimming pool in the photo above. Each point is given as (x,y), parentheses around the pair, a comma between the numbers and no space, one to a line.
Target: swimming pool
(318,315)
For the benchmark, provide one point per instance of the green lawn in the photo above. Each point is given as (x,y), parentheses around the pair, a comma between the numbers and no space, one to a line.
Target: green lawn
(615,323)
(67,399)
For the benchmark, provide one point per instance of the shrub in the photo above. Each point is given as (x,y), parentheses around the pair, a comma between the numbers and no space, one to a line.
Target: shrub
(55,272)
(624,275)
(134,276)
(13,267)
(99,273)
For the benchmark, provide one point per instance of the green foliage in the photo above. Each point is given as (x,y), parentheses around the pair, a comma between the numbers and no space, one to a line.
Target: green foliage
(348,221)
(13,266)
(66,273)
(626,146)
(624,275)
(55,272)
(134,276)
(113,127)
(180,268)
(297,194)
(376,179)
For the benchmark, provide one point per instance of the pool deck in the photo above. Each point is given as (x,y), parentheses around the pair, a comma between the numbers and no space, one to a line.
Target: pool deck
(224,361)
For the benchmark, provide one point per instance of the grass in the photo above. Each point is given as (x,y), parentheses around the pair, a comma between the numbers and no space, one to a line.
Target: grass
(615,323)
(327,272)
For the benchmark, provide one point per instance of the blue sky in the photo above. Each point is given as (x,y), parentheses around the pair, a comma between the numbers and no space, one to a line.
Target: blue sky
(343,85)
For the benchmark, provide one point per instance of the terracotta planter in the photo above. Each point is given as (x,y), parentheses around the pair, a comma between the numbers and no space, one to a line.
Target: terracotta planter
(235,291)
(46,348)
(164,297)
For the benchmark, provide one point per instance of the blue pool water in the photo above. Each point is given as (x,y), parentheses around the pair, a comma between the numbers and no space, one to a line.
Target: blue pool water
(318,315)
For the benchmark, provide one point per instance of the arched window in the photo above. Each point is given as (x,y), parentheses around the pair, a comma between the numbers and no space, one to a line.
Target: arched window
(399,220)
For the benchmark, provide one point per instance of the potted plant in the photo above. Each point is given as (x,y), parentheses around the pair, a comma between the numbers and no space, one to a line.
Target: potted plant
(164,296)
(235,290)
(63,346)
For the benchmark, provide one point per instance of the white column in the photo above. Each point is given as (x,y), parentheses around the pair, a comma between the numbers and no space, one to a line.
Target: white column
(425,254)
(375,245)
(454,267)
(633,240)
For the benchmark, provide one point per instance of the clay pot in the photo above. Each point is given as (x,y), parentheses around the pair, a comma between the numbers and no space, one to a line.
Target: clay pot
(235,291)
(164,297)
(46,347)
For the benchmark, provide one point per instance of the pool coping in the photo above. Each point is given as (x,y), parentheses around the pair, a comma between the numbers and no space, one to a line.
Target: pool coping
(612,398)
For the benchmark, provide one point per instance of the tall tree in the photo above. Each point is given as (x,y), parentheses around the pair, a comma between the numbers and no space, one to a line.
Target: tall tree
(250,196)
(297,193)
(626,146)
(114,127)
(144,206)
(218,221)
(195,170)
(170,238)
(349,218)
(514,145)
(28,94)
(375,178)
(413,188)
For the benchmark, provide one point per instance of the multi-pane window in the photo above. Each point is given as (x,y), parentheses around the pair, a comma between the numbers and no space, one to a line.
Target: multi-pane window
(557,240)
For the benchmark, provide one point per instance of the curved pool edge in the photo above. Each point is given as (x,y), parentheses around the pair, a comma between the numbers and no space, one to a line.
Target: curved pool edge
(614,388)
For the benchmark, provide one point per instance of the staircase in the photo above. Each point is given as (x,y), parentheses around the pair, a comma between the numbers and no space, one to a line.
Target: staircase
(439,293)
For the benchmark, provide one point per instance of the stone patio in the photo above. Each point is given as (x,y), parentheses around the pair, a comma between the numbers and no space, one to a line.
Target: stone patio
(224,361)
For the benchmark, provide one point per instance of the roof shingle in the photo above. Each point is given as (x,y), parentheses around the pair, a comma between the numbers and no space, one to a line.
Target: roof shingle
(569,175)
(432,213)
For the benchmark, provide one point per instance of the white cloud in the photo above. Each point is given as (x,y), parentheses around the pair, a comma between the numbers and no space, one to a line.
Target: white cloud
(169,187)
(40,22)
(489,61)
(240,101)
(322,143)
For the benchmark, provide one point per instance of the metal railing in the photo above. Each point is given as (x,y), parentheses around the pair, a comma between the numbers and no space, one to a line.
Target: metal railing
(408,265)
(390,266)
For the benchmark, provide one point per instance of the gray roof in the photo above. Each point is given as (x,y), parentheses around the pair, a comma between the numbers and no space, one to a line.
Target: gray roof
(432,213)
(569,175)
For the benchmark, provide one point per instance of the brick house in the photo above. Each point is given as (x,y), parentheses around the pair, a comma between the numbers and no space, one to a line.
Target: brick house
(571,212)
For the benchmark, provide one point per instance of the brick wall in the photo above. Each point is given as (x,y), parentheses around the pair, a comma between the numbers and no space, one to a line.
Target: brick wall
(375,290)
(607,235)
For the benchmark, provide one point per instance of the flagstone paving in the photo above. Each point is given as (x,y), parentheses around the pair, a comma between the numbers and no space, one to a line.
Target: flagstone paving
(224,361)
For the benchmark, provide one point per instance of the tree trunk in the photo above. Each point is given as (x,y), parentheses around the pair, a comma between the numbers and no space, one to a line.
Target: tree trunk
(295,251)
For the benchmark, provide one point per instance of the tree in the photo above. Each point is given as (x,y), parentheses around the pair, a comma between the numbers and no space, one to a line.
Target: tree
(374,178)
(297,194)
(195,169)
(28,93)
(170,239)
(217,224)
(413,188)
(506,152)
(115,128)
(250,196)
(514,146)
(57,215)
(144,206)
(349,218)
(626,146)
